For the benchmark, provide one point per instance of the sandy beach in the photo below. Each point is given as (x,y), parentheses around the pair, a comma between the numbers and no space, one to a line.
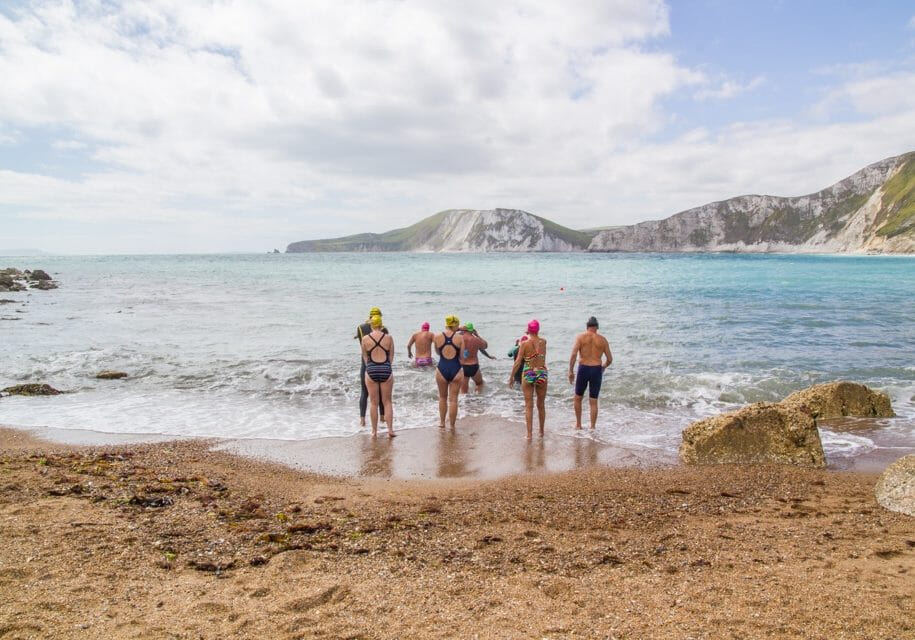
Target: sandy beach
(173,540)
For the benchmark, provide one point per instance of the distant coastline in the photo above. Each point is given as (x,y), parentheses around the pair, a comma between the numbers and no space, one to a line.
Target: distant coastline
(870,212)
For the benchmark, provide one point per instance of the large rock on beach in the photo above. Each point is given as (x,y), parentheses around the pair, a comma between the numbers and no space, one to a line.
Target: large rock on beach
(841,399)
(763,432)
(43,285)
(32,389)
(110,375)
(896,488)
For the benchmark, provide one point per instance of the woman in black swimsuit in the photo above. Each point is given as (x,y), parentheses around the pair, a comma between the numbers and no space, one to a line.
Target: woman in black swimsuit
(377,348)
(448,375)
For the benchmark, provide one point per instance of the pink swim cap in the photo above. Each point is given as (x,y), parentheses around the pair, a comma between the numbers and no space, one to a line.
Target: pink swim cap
(533,326)
(425,326)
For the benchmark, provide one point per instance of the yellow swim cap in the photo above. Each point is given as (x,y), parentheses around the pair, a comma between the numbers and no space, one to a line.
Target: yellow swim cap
(375,321)
(452,321)
(374,311)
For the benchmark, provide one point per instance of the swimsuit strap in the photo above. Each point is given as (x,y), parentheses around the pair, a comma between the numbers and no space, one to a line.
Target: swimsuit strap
(449,341)
(387,354)
(536,351)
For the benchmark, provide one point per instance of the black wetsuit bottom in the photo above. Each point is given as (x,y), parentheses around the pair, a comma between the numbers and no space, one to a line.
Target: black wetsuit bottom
(364,397)
(470,370)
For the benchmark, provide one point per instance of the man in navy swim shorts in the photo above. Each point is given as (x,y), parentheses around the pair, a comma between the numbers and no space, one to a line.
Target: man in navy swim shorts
(593,351)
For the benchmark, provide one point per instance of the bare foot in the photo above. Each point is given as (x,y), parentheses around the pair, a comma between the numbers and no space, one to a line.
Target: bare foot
(578,426)
(362,421)
(391,434)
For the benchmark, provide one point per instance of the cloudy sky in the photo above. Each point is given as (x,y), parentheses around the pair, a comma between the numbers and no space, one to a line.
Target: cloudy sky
(160,126)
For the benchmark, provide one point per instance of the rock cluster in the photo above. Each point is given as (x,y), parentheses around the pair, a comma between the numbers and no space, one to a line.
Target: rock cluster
(784,432)
(32,389)
(896,488)
(12,279)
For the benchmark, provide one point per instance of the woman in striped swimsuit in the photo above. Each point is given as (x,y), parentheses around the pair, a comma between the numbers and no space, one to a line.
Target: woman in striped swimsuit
(534,375)
(379,377)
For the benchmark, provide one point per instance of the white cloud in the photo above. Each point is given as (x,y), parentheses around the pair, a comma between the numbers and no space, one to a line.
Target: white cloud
(253,125)
(728,89)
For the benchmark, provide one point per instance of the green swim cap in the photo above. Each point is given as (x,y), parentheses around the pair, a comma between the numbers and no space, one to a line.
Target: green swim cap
(468,326)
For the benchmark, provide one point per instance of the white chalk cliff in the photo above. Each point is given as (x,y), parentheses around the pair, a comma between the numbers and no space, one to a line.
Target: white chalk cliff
(872,211)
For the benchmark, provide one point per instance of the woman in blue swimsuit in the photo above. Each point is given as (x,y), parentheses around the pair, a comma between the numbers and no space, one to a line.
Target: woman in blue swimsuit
(448,375)
(377,348)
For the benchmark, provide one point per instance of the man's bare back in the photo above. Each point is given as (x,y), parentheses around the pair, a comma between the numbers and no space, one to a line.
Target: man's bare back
(422,340)
(591,347)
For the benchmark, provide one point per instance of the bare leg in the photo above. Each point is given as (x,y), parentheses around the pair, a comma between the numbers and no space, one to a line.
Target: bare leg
(442,397)
(373,402)
(453,390)
(593,403)
(386,388)
(528,390)
(577,404)
(541,405)
(478,380)
(465,384)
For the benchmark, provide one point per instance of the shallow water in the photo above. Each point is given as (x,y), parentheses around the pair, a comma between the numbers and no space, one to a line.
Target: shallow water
(260,346)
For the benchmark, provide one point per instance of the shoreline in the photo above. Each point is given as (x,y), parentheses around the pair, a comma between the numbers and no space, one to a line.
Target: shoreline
(173,539)
(482,447)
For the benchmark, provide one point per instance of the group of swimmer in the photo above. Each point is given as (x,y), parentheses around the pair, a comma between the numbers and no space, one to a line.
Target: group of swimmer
(458,346)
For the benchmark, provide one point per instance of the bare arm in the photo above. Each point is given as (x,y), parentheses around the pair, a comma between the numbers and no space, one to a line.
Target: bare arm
(607,354)
(575,349)
(410,346)
(485,344)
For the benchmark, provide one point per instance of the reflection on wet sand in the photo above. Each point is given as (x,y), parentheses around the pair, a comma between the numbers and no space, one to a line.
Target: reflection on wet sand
(377,457)
(453,450)
(483,447)
(534,455)
(586,452)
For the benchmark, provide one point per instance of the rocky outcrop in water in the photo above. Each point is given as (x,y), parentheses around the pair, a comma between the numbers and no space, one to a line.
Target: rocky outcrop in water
(872,211)
(841,399)
(31,389)
(764,432)
(12,279)
(896,488)
(462,230)
(110,375)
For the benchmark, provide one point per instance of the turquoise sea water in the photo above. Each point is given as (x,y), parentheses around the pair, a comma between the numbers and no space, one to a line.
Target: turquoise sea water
(261,345)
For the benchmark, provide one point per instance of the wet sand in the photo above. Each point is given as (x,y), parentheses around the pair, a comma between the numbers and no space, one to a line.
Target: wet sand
(479,448)
(173,540)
